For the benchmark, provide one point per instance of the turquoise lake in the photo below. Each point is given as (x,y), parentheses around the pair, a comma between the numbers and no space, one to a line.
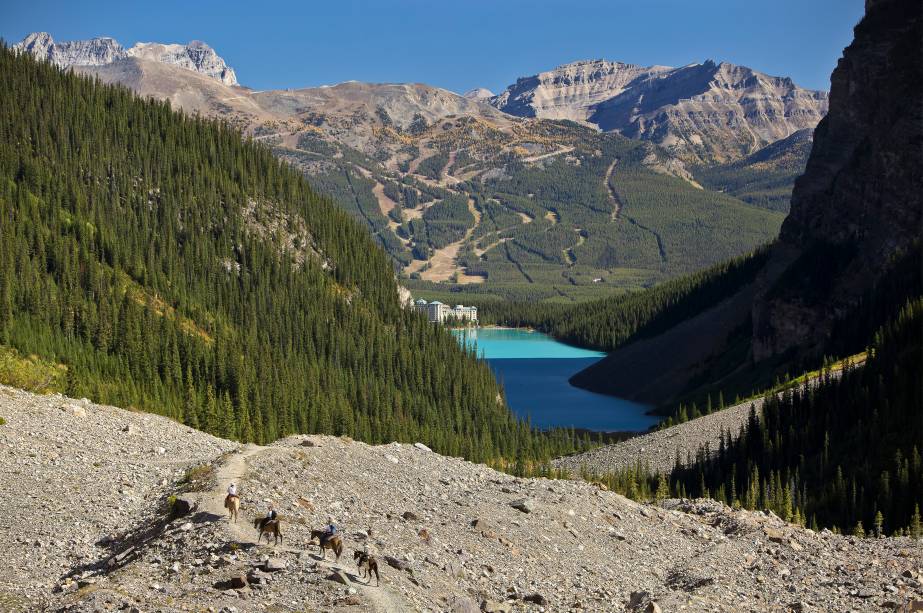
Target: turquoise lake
(534,370)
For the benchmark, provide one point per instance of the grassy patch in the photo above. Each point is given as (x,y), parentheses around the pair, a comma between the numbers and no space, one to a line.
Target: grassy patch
(197,479)
(31,373)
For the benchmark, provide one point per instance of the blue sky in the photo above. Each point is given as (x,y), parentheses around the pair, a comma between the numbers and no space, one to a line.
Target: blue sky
(460,44)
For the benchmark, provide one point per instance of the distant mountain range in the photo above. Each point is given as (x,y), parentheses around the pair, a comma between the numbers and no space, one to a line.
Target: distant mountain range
(708,112)
(196,56)
(502,189)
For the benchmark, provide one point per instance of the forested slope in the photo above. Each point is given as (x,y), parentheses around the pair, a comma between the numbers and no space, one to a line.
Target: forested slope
(173,267)
(838,455)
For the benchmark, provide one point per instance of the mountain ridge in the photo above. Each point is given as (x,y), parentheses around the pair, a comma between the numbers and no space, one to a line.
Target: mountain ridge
(674,107)
(195,56)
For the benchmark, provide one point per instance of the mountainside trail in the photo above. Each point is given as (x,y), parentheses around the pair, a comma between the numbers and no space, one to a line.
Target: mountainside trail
(233,469)
(448,535)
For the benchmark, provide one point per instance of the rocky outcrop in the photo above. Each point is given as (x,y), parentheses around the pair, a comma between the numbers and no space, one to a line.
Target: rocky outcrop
(196,56)
(571,91)
(93,52)
(860,200)
(701,112)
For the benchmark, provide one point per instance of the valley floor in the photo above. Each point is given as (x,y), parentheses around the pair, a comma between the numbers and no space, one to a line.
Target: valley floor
(84,526)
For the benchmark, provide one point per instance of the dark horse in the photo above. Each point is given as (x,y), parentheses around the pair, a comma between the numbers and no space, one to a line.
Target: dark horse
(366,562)
(334,543)
(268,528)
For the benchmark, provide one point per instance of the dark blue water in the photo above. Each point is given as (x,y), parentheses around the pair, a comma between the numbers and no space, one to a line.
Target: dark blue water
(534,370)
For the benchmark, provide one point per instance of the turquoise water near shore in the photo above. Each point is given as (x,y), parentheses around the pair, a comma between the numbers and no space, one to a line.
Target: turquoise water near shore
(534,370)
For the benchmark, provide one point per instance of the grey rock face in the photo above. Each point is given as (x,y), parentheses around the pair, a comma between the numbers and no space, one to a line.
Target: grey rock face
(709,111)
(93,52)
(862,190)
(196,56)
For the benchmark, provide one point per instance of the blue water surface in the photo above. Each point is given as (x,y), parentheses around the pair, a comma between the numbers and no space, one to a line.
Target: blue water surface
(534,370)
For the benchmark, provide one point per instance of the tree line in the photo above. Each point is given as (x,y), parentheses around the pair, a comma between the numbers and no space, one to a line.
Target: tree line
(174,267)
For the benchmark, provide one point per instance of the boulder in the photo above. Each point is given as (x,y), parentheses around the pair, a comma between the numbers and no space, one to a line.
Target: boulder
(238,582)
(339,577)
(491,606)
(183,505)
(524,504)
(421,447)
(536,598)
(410,516)
(774,535)
(463,604)
(396,563)
(274,565)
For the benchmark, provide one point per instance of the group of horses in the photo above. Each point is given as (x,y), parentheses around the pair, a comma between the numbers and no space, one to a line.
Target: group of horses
(272,528)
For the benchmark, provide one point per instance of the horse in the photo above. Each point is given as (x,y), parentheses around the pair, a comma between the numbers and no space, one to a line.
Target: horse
(368,561)
(269,527)
(334,543)
(232,504)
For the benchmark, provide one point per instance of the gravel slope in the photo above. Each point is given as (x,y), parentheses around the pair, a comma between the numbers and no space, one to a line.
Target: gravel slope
(449,535)
(659,449)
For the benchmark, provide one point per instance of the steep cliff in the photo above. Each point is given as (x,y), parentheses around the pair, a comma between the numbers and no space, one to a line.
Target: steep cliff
(848,257)
(196,56)
(858,204)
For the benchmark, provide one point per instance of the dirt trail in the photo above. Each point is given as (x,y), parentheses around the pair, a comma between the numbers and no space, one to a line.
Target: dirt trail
(536,158)
(234,470)
(613,197)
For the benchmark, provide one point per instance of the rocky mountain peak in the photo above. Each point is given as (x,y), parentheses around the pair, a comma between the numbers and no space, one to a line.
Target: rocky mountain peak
(697,111)
(93,52)
(478,93)
(196,56)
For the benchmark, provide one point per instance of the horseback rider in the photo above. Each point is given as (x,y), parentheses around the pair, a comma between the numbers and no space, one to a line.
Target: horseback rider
(270,516)
(232,491)
(330,530)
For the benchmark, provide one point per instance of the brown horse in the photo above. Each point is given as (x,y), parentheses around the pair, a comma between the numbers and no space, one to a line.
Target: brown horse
(232,504)
(271,527)
(366,562)
(334,543)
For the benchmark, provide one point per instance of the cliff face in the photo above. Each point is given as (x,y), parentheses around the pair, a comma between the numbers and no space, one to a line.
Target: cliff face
(701,112)
(859,202)
(196,56)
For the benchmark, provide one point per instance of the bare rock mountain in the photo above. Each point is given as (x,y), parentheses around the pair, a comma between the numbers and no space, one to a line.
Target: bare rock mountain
(93,52)
(704,112)
(196,56)
(859,203)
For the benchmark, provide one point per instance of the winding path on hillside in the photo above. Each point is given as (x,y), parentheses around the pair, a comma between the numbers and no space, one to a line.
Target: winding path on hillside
(233,469)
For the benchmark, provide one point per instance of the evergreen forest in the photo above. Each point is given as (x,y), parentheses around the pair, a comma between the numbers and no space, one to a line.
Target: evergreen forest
(154,260)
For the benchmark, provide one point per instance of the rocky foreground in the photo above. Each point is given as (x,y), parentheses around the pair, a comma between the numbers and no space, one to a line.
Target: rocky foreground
(105,509)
